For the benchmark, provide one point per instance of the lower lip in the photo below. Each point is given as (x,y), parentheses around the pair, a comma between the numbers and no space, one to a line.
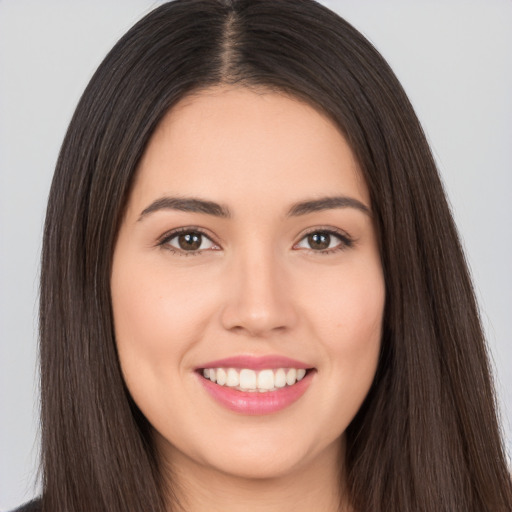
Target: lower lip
(256,402)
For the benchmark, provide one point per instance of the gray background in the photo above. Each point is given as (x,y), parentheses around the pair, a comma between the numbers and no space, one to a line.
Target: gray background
(453,58)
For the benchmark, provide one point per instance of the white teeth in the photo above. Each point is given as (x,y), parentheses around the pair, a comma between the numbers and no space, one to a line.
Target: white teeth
(291,376)
(249,380)
(266,380)
(280,378)
(221,376)
(233,379)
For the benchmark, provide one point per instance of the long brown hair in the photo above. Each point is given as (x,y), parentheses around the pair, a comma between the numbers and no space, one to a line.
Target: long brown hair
(426,438)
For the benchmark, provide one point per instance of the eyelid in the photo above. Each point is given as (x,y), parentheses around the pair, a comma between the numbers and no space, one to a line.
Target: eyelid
(169,235)
(346,240)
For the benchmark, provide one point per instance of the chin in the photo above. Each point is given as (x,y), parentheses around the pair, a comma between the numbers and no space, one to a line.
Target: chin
(260,467)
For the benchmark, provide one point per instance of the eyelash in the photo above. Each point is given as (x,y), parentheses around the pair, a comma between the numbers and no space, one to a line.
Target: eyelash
(167,237)
(345,240)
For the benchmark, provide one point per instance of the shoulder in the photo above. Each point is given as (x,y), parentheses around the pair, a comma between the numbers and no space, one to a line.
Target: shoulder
(32,506)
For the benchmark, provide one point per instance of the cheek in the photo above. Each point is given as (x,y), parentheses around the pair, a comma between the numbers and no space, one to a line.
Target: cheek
(347,318)
(158,318)
(349,304)
(155,308)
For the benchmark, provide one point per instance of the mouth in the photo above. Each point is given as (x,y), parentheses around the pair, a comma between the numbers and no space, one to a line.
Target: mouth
(248,380)
(255,386)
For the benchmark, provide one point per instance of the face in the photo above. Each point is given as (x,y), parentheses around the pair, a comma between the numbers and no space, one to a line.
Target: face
(247,286)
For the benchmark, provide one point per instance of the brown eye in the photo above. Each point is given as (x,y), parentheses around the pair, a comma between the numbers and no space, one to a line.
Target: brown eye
(324,242)
(319,241)
(189,242)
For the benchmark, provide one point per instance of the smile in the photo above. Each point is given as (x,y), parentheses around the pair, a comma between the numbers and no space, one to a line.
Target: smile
(255,385)
(262,381)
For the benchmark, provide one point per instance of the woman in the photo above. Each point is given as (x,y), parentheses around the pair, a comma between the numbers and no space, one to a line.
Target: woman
(253,295)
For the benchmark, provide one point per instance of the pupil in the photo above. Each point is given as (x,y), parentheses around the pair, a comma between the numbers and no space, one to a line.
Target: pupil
(319,240)
(189,241)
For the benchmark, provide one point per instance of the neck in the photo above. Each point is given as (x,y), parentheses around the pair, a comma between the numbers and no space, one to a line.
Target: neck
(315,485)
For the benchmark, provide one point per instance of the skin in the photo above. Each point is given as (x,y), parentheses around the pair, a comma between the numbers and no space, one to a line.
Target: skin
(256,286)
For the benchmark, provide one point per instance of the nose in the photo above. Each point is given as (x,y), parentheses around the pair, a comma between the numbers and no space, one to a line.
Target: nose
(259,300)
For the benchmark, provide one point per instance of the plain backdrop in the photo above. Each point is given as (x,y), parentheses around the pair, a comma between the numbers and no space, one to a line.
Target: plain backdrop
(453,58)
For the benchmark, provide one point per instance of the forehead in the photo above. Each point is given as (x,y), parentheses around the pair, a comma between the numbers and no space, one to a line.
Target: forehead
(234,144)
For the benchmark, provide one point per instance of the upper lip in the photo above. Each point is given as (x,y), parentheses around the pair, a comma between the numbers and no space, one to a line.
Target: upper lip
(255,362)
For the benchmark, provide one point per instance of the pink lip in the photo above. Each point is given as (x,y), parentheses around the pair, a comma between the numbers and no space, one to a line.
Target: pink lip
(255,362)
(256,402)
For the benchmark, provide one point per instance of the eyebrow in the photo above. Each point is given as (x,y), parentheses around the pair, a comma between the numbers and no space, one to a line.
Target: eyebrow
(327,203)
(196,205)
(186,204)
